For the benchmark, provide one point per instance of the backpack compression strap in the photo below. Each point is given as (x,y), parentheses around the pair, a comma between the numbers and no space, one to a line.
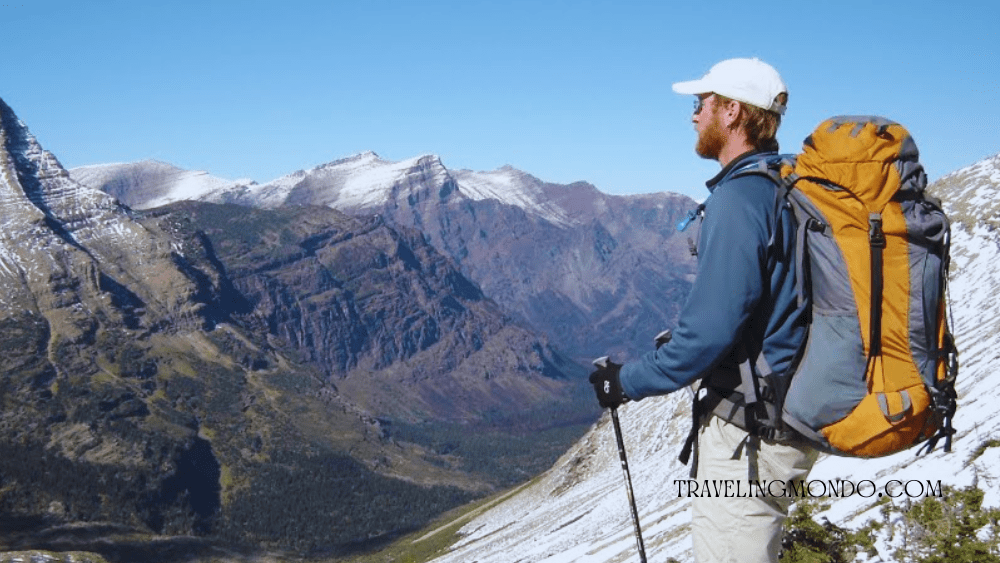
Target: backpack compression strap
(876,239)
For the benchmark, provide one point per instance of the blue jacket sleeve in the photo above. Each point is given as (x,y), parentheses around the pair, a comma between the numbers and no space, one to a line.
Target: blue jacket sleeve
(731,277)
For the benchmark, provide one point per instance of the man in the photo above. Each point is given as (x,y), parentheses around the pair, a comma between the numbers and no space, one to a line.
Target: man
(743,309)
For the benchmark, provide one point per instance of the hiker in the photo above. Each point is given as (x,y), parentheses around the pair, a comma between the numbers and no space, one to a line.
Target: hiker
(743,309)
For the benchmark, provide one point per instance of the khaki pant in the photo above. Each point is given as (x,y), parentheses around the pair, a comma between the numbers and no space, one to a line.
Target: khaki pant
(742,525)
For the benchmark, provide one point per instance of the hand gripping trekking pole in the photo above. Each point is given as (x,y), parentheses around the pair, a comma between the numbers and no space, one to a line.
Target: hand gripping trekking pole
(601,363)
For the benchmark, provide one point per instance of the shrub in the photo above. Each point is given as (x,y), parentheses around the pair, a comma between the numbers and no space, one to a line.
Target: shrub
(808,541)
(948,529)
(953,528)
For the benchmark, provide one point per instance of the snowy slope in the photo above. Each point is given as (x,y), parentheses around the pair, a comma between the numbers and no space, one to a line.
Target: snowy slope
(356,182)
(513,187)
(150,183)
(64,244)
(578,511)
(366,182)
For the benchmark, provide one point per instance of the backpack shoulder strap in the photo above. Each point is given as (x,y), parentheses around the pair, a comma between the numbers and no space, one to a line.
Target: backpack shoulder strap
(768,166)
(762,389)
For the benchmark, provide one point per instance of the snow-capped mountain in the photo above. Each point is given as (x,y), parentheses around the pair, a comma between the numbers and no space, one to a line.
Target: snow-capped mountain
(80,280)
(578,511)
(151,183)
(514,187)
(51,223)
(360,182)
(595,272)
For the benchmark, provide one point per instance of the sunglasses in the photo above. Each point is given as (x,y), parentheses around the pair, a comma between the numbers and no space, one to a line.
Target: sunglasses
(699,102)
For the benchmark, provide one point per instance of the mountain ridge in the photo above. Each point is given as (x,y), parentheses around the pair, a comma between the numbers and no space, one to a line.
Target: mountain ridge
(598,273)
(162,182)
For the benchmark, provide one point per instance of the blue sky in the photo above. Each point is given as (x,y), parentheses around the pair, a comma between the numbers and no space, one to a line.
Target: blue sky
(565,90)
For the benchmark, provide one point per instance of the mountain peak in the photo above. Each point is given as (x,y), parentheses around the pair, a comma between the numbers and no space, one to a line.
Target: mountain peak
(361,157)
(152,183)
(19,143)
(34,185)
(511,186)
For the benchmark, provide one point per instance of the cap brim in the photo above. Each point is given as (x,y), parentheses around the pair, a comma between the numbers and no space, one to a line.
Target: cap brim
(692,87)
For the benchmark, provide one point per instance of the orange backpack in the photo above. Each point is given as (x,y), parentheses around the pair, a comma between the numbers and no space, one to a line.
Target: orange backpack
(878,368)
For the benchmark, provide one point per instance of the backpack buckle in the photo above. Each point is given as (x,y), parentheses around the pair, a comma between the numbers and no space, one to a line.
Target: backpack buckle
(876,236)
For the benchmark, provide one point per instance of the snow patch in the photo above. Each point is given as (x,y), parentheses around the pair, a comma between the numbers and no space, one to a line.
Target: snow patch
(512,187)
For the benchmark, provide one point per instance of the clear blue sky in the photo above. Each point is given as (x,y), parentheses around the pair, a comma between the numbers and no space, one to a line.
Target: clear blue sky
(565,90)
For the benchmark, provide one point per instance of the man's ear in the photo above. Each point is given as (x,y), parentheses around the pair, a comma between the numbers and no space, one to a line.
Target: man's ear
(729,113)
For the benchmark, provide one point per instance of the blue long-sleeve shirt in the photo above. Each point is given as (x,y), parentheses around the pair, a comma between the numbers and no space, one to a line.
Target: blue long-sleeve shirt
(744,291)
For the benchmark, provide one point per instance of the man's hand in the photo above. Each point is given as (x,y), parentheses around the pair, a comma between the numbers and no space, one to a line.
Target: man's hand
(607,386)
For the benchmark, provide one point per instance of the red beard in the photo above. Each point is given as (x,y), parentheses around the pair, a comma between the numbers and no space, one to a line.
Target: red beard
(711,140)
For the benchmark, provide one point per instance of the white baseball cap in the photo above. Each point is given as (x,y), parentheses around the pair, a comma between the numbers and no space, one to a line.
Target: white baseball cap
(750,81)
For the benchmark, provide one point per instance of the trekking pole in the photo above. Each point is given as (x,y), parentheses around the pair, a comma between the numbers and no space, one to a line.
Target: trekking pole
(601,363)
(628,486)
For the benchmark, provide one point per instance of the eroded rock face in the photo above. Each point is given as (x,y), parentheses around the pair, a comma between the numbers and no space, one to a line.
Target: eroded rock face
(393,324)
